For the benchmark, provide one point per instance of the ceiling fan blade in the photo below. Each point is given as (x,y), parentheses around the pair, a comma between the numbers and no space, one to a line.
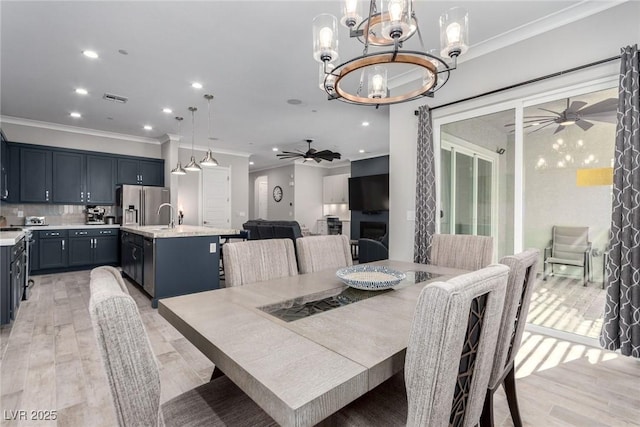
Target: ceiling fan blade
(609,104)
(584,125)
(560,128)
(575,106)
(297,153)
(542,127)
(550,111)
(288,156)
(606,117)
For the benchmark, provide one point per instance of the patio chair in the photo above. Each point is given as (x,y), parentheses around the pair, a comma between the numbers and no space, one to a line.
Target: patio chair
(463,251)
(522,277)
(569,246)
(445,380)
(257,260)
(317,253)
(134,376)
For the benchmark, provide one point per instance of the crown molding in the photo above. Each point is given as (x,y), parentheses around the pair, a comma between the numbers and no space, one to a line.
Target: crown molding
(73,129)
(531,29)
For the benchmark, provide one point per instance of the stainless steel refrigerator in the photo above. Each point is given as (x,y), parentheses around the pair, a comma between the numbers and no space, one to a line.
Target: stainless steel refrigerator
(138,205)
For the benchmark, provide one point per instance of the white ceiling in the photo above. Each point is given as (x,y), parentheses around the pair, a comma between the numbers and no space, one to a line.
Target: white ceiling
(253,56)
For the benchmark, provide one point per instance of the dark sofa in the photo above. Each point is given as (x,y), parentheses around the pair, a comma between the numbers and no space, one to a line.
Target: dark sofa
(264,229)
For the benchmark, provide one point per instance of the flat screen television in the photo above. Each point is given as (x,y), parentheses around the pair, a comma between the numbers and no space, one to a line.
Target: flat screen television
(369,193)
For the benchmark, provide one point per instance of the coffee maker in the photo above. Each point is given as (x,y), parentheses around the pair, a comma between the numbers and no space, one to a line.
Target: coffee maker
(95,215)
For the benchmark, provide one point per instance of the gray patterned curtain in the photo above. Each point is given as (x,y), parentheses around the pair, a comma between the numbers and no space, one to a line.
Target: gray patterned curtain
(621,328)
(425,189)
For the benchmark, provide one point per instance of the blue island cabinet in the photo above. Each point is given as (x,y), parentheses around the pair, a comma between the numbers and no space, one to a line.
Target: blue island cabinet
(180,265)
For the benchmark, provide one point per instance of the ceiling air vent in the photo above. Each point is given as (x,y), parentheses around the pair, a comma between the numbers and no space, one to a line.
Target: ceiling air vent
(115,98)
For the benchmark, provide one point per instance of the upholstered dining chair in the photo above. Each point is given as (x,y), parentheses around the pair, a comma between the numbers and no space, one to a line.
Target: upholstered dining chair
(449,356)
(257,260)
(569,246)
(522,277)
(134,377)
(317,253)
(461,251)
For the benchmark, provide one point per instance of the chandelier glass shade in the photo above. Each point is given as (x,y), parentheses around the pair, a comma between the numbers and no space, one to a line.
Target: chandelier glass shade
(391,74)
(209,160)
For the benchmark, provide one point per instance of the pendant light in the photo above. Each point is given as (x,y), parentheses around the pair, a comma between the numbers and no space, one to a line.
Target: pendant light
(179,170)
(209,160)
(193,166)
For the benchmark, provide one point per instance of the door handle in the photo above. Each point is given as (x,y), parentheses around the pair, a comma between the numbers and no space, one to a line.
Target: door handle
(62,241)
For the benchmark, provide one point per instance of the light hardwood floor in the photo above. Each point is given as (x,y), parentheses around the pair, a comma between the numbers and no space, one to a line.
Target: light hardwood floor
(563,303)
(50,361)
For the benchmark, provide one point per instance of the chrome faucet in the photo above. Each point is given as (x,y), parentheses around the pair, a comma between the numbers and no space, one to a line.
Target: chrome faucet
(172,224)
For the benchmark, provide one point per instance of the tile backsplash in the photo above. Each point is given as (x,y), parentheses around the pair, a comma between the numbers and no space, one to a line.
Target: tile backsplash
(55,214)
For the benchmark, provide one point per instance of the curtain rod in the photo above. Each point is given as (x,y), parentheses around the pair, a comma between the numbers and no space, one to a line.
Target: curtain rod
(537,79)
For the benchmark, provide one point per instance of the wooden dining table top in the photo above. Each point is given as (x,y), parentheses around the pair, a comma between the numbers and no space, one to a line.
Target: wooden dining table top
(302,371)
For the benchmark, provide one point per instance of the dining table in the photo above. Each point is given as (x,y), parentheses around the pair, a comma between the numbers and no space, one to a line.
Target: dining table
(302,347)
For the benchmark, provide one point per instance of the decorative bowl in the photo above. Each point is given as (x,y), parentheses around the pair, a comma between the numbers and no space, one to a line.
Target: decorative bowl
(370,277)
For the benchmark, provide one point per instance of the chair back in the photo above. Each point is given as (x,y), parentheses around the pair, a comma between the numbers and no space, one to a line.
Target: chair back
(522,277)
(370,250)
(126,352)
(451,347)
(317,253)
(569,242)
(461,251)
(257,260)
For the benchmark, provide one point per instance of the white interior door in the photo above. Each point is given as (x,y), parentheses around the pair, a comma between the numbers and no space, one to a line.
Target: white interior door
(263,198)
(216,197)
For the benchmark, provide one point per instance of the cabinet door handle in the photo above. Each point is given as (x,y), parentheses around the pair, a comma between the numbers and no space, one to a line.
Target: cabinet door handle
(62,244)
(95,243)
(88,195)
(81,196)
(133,253)
(46,195)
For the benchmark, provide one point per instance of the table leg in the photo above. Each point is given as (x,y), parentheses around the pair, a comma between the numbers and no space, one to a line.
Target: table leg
(217,373)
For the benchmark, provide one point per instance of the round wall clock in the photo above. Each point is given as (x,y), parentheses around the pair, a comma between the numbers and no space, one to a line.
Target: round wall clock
(277,193)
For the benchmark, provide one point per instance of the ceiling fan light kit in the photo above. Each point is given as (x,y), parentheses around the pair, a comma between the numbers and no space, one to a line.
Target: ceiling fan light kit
(388,29)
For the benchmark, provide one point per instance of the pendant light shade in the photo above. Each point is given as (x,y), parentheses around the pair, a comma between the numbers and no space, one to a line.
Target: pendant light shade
(178,170)
(193,166)
(209,160)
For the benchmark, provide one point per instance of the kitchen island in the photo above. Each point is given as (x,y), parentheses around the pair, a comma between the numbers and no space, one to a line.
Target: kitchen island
(168,262)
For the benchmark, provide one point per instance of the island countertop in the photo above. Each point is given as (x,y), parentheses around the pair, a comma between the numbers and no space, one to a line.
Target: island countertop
(162,231)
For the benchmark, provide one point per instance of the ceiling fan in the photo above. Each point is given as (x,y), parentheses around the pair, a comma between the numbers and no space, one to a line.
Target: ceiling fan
(577,112)
(311,154)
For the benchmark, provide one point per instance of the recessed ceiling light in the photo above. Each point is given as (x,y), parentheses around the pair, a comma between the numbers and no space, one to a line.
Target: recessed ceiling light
(90,54)
(167,110)
(274,149)
(148,127)
(251,163)
(365,123)
(360,151)
(75,115)
(294,101)
(123,52)
(81,91)
(196,85)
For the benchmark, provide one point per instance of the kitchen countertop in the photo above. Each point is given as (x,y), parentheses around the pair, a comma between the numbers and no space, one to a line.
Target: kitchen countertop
(162,231)
(10,238)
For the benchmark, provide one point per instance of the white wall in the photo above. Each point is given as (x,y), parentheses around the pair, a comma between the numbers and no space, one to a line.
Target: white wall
(308,195)
(570,46)
(282,176)
(79,141)
(190,188)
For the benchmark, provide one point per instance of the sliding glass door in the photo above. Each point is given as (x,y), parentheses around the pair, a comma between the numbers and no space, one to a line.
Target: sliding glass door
(468,202)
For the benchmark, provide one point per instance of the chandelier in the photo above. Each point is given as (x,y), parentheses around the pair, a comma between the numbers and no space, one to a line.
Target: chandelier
(366,79)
